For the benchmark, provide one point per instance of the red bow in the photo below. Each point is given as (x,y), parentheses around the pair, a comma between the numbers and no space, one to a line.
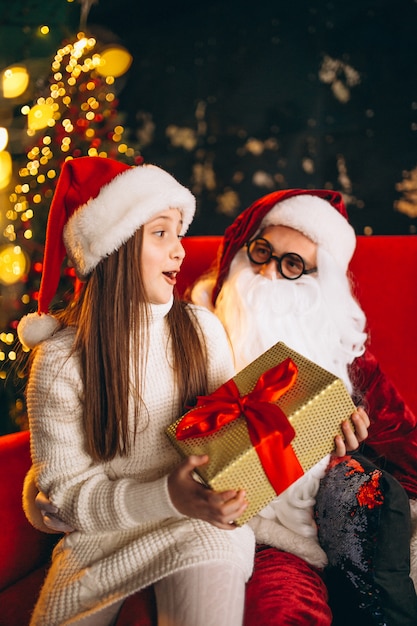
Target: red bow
(269,430)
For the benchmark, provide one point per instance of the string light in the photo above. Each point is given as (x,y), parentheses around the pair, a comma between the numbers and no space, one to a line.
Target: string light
(77,117)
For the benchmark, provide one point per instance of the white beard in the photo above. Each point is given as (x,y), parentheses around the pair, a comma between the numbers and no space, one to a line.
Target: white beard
(315,316)
(258,312)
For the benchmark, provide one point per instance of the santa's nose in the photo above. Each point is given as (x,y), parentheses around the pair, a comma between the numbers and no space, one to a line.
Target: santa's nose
(270,270)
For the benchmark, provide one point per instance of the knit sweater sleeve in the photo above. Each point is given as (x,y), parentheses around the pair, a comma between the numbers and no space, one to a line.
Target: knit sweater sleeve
(87,494)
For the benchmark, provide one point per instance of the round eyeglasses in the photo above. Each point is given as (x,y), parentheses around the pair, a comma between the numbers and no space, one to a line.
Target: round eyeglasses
(290,265)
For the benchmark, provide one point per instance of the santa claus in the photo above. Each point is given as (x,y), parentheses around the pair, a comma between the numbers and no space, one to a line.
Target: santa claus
(282,275)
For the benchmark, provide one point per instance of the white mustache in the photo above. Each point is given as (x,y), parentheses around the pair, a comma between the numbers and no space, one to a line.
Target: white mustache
(279,295)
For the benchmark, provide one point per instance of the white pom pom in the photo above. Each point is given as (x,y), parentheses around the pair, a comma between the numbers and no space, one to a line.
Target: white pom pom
(34,328)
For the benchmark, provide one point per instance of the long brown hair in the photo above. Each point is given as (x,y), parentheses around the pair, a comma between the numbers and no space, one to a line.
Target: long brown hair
(111,316)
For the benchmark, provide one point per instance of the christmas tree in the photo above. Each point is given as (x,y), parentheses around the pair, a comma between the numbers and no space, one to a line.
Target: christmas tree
(75,115)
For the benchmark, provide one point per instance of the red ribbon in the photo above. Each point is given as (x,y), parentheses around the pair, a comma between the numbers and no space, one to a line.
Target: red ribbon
(269,430)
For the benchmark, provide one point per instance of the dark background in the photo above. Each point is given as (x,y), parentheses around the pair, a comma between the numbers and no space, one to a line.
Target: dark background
(252,70)
(230,98)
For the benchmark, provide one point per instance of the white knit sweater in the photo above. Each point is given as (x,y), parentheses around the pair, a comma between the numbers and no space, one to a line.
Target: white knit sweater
(128,532)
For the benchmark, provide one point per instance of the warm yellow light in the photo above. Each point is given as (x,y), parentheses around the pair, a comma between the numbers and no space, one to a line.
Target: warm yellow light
(5,169)
(4,138)
(114,61)
(13,264)
(15,81)
(7,338)
(39,116)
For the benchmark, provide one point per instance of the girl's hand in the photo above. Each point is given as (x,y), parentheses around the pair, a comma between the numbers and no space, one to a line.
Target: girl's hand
(352,439)
(192,499)
(50,515)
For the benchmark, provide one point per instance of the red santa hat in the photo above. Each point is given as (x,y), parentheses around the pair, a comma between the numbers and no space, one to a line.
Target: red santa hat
(98,205)
(319,214)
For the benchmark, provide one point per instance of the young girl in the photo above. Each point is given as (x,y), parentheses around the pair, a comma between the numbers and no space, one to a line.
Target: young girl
(108,375)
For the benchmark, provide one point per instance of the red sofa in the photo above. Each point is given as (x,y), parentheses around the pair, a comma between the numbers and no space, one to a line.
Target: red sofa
(383,269)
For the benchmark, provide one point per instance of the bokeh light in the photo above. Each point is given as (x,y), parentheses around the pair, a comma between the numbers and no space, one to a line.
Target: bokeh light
(4,138)
(6,169)
(114,61)
(40,116)
(15,81)
(14,264)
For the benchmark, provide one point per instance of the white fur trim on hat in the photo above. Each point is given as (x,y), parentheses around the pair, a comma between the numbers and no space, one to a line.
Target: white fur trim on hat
(318,220)
(34,328)
(131,199)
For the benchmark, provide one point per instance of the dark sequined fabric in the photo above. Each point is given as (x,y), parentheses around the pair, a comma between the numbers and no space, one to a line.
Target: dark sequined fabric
(362,515)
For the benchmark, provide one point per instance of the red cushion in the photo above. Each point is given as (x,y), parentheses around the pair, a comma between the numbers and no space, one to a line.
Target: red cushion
(384,268)
(139,610)
(17,601)
(201,252)
(22,548)
(268,602)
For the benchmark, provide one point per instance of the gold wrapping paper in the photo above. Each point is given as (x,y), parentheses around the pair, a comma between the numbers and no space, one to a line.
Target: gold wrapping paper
(316,406)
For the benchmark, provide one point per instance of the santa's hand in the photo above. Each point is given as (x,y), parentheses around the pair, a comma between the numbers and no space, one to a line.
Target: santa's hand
(50,515)
(352,438)
(193,499)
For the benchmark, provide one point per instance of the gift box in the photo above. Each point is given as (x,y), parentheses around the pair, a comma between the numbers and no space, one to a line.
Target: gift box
(265,427)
